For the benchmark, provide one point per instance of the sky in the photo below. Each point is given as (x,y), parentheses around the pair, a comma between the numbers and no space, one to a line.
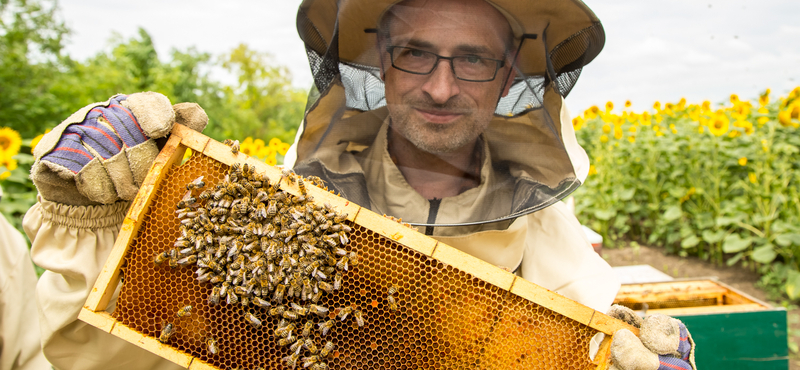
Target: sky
(656,50)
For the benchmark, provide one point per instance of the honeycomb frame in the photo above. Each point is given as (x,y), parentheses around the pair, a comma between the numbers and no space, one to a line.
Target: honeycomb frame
(459,312)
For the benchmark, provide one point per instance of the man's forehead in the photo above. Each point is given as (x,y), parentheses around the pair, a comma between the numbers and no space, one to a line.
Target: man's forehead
(412,19)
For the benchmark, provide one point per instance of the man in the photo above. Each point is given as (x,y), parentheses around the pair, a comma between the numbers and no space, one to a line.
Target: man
(448,114)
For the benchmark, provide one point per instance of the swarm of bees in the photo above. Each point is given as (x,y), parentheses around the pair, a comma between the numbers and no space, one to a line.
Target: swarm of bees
(271,253)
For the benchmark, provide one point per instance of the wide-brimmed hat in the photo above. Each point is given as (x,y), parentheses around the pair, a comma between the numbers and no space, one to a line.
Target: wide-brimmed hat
(568,30)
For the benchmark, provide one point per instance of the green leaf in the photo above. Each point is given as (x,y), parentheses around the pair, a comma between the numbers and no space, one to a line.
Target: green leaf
(627,194)
(604,214)
(672,213)
(712,237)
(732,261)
(792,287)
(690,242)
(734,243)
(764,254)
(785,240)
(725,221)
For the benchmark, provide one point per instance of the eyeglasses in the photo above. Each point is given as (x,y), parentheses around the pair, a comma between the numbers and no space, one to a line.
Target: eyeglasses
(465,67)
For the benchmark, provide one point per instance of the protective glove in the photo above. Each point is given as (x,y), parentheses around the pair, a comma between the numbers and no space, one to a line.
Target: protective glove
(664,343)
(102,153)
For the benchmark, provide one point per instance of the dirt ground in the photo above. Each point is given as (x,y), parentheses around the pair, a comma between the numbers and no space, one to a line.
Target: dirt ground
(678,267)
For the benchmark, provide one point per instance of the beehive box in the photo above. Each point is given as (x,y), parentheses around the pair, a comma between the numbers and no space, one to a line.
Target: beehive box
(731,329)
(453,310)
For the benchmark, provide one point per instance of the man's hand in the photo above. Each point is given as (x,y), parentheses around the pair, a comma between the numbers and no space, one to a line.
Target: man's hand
(664,343)
(102,153)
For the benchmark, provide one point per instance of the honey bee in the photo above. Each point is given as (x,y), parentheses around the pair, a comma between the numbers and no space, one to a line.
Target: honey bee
(288,175)
(280,290)
(213,298)
(252,320)
(302,186)
(344,311)
(359,316)
(325,327)
(187,200)
(392,303)
(161,257)
(206,194)
(196,184)
(316,181)
(283,342)
(185,311)
(212,346)
(392,290)
(291,360)
(277,310)
(319,366)
(326,286)
(297,346)
(188,260)
(326,349)
(310,360)
(310,345)
(343,238)
(300,310)
(337,281)
(234,144)
(232,298)
(291,315)
(166,333)
(307,328)
(343,264)
(272,208)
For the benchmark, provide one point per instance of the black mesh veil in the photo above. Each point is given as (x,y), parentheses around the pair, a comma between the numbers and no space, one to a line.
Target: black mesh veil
(529,144)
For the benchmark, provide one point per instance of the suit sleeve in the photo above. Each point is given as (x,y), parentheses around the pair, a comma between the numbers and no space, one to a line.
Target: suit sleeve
(72,244)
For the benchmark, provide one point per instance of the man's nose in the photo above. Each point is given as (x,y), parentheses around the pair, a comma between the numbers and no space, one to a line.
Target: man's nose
(441,84)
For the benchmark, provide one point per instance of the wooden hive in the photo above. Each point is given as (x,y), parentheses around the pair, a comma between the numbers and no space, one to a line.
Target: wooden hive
(454,310)
(731,329)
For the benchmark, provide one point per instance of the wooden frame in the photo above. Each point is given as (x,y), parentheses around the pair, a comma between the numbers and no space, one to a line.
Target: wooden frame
(95,312)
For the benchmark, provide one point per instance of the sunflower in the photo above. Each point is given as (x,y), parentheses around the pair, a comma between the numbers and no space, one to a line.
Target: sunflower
(718,125)
(752,177)
(743,161)
(283,148)
(10,142)
(628,104)
(603,139)
(274,142)
(577,123)
(247,146)
(609,106)
(618,133)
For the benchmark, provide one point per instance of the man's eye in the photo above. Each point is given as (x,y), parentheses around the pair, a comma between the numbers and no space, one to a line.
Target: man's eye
(416,53)
(473,59)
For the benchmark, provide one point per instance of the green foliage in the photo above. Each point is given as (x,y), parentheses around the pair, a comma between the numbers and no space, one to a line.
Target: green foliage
(39,87)
(722,184)
(31,40)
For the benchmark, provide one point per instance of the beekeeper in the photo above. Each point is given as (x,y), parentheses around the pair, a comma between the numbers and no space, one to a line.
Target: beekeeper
(448,114)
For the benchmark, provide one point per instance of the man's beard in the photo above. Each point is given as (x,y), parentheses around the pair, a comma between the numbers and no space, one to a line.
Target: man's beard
(438,138)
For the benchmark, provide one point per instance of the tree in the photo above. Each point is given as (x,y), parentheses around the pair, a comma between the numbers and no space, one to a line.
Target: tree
(264,104)
(31,42)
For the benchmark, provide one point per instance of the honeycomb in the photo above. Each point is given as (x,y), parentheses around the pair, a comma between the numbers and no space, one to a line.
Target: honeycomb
(444,318)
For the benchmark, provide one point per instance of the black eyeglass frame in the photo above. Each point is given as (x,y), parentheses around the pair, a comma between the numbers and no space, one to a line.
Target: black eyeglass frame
(499,63)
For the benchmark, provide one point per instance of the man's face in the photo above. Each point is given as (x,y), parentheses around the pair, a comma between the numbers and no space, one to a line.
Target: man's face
(437,112)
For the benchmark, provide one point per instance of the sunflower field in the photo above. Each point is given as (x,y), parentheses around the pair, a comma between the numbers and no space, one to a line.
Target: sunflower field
(717,181)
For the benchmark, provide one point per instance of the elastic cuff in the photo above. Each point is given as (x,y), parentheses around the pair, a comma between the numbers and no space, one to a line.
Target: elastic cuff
(84,217)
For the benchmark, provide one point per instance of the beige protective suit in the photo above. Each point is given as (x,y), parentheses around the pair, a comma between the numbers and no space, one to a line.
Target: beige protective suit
(20,345)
